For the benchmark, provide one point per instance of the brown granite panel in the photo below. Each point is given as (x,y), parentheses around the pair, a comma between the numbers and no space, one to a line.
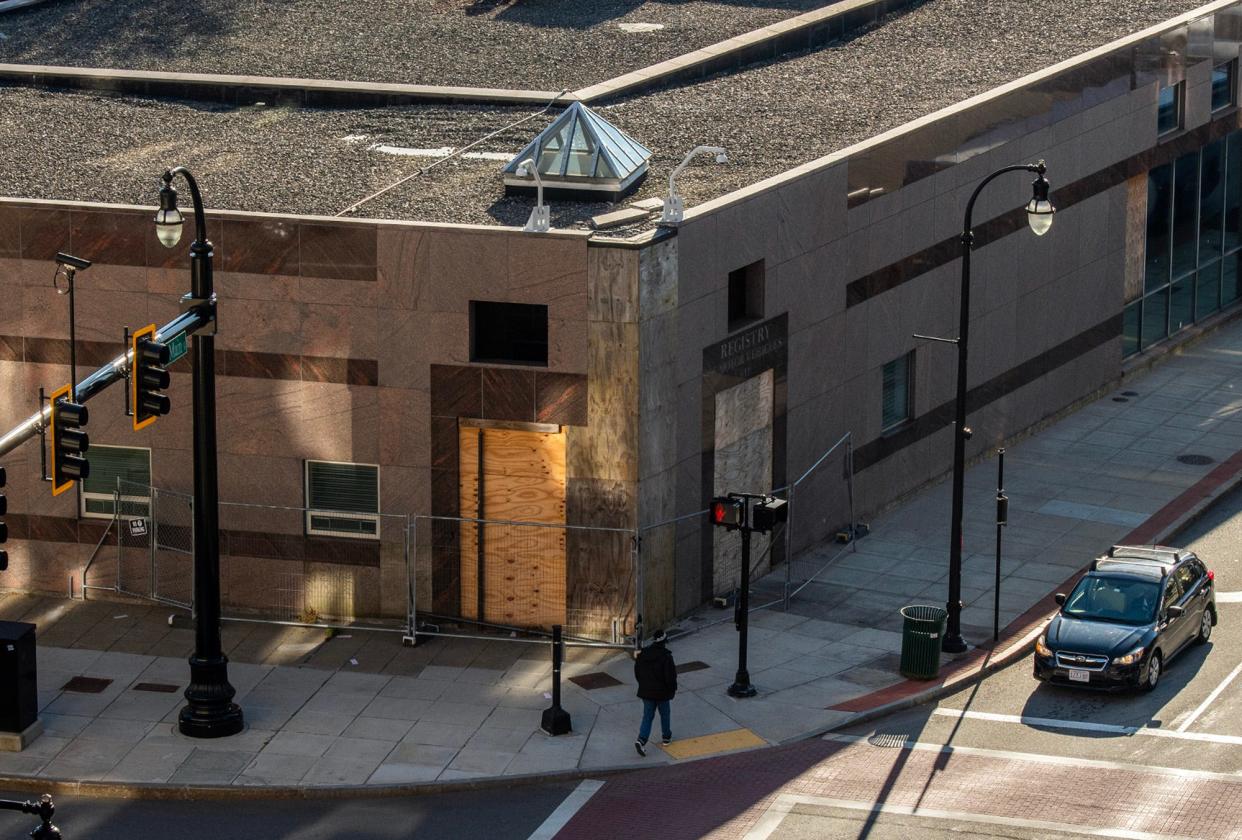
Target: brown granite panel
(113,237)
(362,372)
(508,394)
(343,552)
(456,391)
(44,232)
(91,531)
(444,443)
(325,369)
(267,246)
(339,252)
(97,353)
(19,527)
(445,486)
(561,398)
(261,365)
(261,544)
(178,256)
(446,566)
(10,348)
(47,351)
(10,233)
(51,528)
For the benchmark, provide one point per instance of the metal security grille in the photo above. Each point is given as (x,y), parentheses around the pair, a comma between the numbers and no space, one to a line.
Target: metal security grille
(342,499)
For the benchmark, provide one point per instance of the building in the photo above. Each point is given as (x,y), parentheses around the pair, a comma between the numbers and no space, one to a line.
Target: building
(390,340)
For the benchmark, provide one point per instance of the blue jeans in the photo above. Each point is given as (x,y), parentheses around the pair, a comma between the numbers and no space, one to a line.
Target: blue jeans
(649,710)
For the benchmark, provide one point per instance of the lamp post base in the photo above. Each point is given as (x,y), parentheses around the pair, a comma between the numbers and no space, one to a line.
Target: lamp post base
(210,711)
(742,688)
(953,644)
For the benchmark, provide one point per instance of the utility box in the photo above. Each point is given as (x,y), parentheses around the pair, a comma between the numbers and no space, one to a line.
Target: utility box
(19,687)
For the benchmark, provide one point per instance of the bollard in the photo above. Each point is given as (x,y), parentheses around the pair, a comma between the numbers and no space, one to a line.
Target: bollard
(555,719)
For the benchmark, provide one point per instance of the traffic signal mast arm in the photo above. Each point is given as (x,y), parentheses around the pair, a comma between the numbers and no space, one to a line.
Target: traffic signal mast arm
(189,322)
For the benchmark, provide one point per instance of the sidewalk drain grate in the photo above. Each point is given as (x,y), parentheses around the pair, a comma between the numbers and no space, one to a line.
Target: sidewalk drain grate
(1196,460)
(687,667)
(163,688)
(890,740)
(598,679)
(1129,393)
(1121,399)
(86,685)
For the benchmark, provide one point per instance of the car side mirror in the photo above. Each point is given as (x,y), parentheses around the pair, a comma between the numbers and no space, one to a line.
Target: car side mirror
(1059,598)
(1176,611)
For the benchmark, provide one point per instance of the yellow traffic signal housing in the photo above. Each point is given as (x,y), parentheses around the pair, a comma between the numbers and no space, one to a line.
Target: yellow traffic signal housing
(147,377)
(69,442)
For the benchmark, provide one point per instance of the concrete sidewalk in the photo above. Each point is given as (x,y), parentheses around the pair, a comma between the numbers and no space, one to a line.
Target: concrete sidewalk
(358,709)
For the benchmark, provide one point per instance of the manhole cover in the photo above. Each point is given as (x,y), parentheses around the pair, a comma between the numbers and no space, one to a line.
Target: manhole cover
(86,685)
(687,667)
(1196,460)
(163,688)
(1121,399)
(890,740)
(1129,393)
(599,679)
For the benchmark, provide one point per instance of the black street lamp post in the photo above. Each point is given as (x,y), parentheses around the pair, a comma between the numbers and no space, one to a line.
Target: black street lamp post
(210,711)
(1039,216)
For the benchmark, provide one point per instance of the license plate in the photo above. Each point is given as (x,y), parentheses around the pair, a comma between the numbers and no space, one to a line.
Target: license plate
(1079,675)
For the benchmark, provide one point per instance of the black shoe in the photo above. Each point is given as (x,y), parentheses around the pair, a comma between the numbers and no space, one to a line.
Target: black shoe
(666,742)
(641,746)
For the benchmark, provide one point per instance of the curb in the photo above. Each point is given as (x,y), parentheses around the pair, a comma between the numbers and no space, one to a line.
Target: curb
(1017,639)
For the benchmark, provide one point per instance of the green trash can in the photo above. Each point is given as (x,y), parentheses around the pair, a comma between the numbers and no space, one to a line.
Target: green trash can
(921,635)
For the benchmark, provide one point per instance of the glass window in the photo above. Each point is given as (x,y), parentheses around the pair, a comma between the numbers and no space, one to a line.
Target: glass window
(117,468)
(1233,191)
(342,499)
(1211,202)
(1123,600)
(1207,291)
(1229,279)
(511,333)
(1155,317)
(1130,329)
(1185,213)
(1159,221)
(1181,308)
(1169,109)
(1172,591)
(746,295)
(1222,84)
(896,396)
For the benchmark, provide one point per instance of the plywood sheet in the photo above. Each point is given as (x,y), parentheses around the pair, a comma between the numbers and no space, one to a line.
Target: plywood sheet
(523,480)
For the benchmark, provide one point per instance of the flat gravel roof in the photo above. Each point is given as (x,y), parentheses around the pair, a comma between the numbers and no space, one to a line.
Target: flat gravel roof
(771,118)
(536,44)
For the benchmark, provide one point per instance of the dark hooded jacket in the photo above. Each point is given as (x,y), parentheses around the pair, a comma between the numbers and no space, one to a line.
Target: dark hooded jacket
(656,673)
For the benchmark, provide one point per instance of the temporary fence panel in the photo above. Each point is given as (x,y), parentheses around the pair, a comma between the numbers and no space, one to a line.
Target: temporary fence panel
(486,576)
(821,521)
(172,555)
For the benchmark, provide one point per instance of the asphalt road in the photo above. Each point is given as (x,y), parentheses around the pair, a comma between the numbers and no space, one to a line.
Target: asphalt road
(499,814)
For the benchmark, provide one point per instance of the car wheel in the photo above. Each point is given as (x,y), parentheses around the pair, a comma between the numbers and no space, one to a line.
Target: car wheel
(1205,627)
(1153,671)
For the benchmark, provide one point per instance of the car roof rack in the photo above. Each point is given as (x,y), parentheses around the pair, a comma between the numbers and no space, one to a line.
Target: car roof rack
(1147,552)
(1123,561)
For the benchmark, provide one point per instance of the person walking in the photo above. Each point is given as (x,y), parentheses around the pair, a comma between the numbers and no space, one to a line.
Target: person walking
(657,685)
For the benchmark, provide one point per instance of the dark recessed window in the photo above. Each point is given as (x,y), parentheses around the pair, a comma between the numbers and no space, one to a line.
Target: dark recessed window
(745,295)
(511,333)
(1223,84)
(1169,109)
(896,379)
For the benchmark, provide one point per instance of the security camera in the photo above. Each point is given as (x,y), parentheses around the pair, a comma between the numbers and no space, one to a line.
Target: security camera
(70,261)
(522,171)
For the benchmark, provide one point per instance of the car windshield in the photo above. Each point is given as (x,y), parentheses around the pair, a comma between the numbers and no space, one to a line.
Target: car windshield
(1123,600)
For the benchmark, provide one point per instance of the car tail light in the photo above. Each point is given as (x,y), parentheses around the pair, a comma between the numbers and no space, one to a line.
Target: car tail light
(1211,575)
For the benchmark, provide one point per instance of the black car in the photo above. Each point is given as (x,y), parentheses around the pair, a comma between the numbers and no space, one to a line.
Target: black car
(1128,616)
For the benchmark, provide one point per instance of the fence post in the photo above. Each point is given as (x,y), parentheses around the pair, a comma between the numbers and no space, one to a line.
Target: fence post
(636,553)
(120,536)
(555,719)
(151,540)
(411,637)
(849,462)
(789,534)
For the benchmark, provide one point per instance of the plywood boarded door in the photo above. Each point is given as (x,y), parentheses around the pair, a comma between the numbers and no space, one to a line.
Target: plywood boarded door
(522,567)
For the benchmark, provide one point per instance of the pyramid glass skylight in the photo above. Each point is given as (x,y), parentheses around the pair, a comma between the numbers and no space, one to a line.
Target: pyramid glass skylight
(583,154)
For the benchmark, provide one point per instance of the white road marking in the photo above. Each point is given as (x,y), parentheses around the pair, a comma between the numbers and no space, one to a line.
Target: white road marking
(1043,758)
(1229,597)
(1051,723)
(564,812)
(786,802)
(1203,706)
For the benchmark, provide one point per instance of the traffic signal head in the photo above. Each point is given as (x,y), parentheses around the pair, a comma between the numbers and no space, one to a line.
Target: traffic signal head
(69,442)
(767,514)
(726,512)
(148,377)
